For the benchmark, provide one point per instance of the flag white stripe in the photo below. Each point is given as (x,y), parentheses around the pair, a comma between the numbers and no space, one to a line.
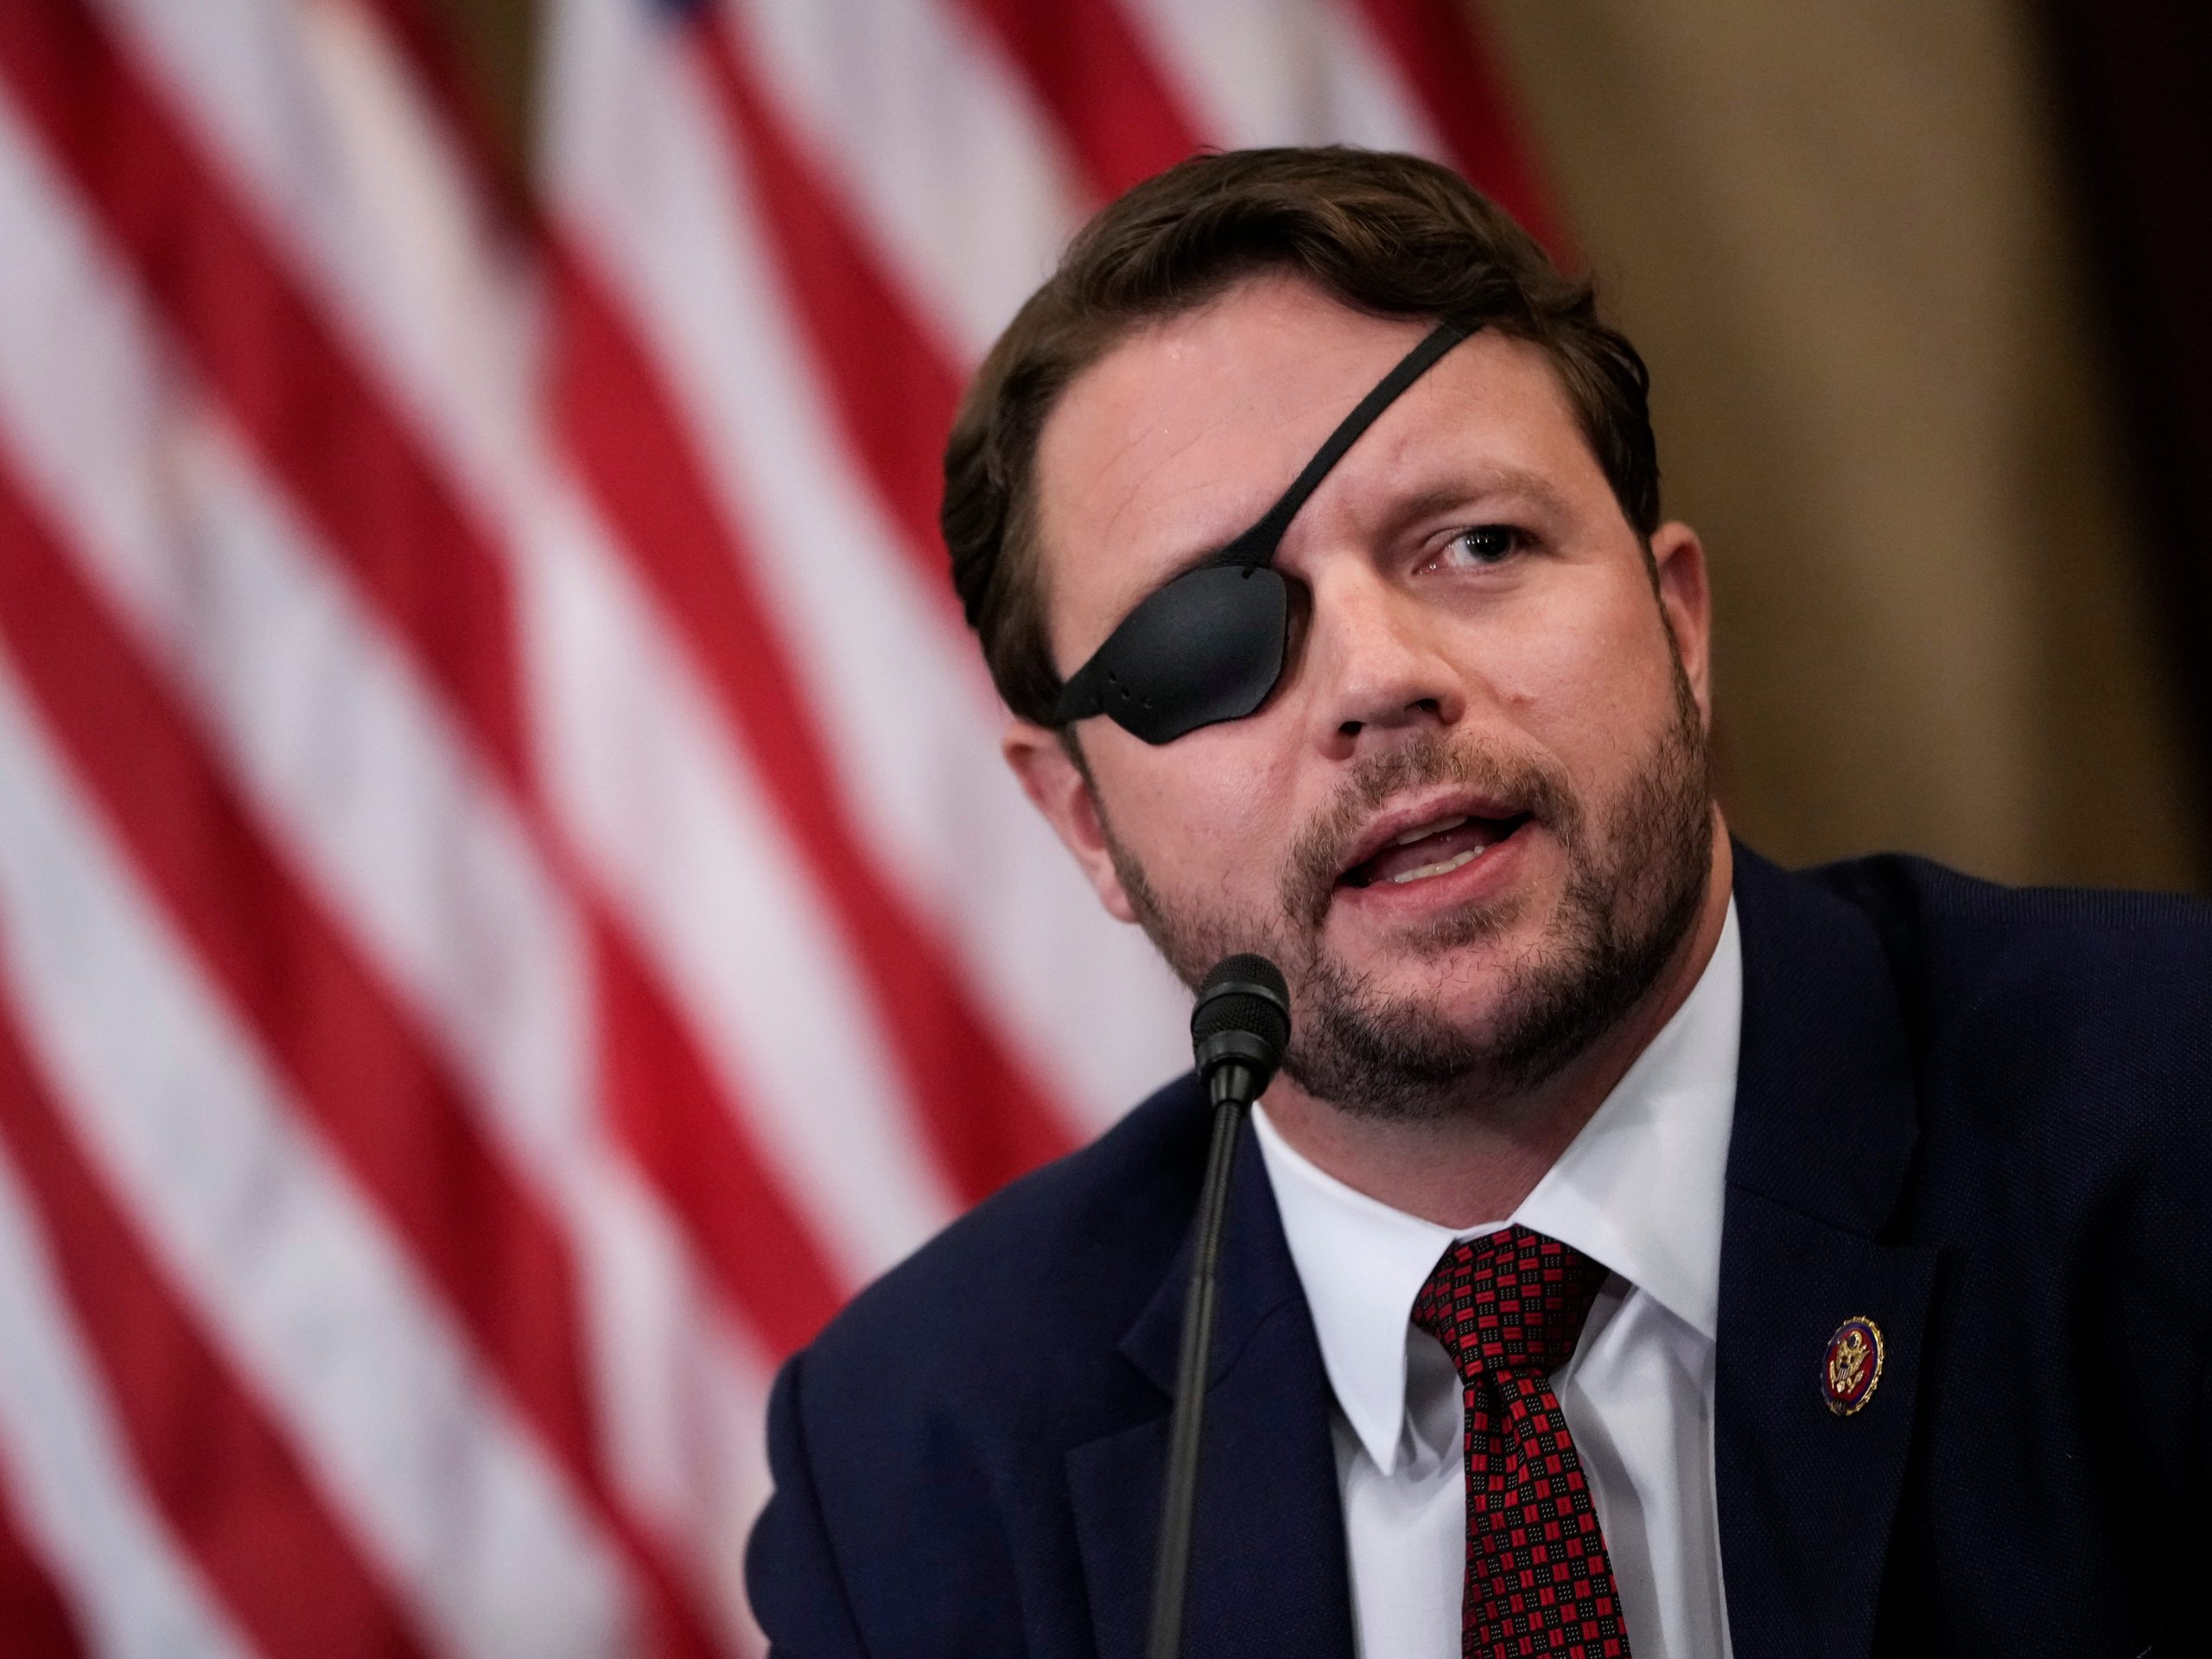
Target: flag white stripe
(1371,102)
(1282,71)
(447,309)
(635,753)
(295,1279)
(912,721)
(965,183)
(236,65)
(729,921)
(680,1389)
(684,1397)
(322,720)
(366,783)
(69,1472)
(310,133)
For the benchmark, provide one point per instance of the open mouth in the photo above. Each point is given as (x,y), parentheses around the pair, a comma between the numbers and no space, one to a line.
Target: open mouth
(1430,850)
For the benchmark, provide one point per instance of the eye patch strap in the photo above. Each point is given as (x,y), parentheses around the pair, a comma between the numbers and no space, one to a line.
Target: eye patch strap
(1196,651)
(1257,545)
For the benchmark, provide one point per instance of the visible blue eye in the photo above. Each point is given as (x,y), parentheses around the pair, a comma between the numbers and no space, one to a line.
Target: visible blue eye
(1481,544)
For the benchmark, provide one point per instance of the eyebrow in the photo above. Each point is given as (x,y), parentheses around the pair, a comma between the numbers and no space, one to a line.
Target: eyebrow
(1474,485)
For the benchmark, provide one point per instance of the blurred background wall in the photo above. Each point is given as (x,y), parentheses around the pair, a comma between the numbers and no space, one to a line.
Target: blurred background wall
(1853,244)
(1921,289)
(510,909)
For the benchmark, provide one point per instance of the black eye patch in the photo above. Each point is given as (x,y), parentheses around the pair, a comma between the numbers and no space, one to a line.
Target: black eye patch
(1210,644)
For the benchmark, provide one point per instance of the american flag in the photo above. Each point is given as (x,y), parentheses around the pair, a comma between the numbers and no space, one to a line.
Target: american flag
(510,907)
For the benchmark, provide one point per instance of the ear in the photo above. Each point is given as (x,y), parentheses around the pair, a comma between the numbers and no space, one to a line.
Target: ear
(1057,788)
(1686,604)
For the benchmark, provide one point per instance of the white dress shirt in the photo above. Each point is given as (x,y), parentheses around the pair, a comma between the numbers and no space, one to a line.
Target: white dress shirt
(1640,1190)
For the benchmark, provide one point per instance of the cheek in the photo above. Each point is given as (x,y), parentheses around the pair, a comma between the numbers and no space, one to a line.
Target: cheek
(1201,814)
(1588,674)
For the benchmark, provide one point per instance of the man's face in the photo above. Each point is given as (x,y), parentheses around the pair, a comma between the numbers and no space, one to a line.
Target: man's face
(1472,824)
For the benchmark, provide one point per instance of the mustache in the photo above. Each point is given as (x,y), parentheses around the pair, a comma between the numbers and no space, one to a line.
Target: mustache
(1320,851)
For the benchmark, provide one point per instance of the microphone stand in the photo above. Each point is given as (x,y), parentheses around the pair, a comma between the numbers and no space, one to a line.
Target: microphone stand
(1240,1029)
(1172,1570)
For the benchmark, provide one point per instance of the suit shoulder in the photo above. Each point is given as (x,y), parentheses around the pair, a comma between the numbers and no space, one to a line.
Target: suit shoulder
(917,1443)
(2074,994)
(2073,943)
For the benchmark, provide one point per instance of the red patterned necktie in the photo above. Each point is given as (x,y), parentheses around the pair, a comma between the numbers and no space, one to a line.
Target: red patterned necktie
(1508,1309)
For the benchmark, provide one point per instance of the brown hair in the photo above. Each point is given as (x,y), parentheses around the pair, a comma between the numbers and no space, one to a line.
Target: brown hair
(1393,236)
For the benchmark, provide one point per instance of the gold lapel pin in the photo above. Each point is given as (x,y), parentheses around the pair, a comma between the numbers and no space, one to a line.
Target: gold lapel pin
(1853,1366)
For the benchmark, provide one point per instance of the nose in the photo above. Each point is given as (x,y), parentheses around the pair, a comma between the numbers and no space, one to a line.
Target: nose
(1376,664)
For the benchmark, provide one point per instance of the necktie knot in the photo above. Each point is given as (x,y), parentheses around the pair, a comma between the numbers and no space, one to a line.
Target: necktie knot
(1512,1301)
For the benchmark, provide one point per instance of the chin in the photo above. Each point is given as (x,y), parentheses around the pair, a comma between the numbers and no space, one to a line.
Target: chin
(1469,1008)
(1436,1028)
(1464,949)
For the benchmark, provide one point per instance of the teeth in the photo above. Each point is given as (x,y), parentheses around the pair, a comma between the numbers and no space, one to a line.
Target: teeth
(1428,830)
(1445,868)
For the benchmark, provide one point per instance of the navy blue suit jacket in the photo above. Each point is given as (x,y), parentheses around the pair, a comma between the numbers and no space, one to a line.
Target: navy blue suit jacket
(1981,1116)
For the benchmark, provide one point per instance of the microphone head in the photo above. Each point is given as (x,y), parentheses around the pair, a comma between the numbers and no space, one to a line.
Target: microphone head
(1242,1019)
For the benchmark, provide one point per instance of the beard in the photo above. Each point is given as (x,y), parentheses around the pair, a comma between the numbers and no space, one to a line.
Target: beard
(1635,885)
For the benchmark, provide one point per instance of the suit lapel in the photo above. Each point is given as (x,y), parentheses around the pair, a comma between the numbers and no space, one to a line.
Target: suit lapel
(1826,1121)
(1269,1574)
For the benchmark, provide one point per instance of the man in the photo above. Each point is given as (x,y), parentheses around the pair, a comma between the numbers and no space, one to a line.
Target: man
(1645,1250)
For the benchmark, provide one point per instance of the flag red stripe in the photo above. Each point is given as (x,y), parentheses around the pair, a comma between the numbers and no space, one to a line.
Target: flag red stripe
(37,1620)
(895,388)
(985,1119)
(1451,71)
(349,460)
(659,1098)
(401,529)
(1096,79)
(388,1106)
(230,1487)
(257,338)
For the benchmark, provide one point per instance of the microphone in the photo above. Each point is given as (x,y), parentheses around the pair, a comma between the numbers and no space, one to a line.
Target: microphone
(1239,1030)
(1240,1027)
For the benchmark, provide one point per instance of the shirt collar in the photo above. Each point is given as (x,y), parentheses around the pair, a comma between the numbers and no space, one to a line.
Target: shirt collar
(1639,1189)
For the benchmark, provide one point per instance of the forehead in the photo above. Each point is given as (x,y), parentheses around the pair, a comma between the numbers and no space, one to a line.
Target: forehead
(1186,433)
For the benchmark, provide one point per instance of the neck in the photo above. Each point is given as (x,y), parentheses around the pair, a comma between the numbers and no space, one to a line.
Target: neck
(1460,1171)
